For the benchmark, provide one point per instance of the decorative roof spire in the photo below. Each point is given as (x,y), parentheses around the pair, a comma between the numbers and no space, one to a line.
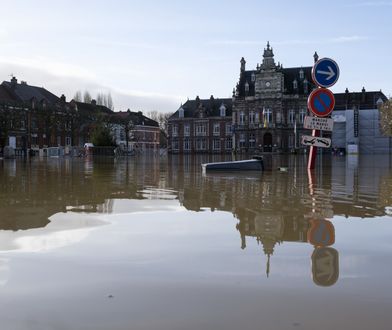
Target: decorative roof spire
(316,57)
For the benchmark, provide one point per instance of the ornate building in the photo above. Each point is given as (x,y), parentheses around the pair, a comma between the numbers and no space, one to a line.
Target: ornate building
(269,105)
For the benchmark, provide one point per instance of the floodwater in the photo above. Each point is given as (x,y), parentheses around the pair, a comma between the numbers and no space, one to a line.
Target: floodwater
(152,243)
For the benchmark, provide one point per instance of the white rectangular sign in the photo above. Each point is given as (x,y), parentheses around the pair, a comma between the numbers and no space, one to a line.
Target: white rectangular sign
(322,124)
(315,141)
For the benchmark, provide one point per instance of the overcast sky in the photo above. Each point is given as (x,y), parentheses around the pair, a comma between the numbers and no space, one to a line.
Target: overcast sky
(153,55)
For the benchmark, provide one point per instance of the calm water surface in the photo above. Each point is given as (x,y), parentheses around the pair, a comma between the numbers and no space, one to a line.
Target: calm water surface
(153,243)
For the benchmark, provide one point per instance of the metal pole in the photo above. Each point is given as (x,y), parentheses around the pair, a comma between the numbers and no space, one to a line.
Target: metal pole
(313,152)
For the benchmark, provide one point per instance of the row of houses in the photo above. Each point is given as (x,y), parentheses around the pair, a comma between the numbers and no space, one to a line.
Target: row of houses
(266,113)
(32,119)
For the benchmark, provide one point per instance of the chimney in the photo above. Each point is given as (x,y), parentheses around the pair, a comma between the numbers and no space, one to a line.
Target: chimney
(14,81)
(62,98)
(363,95)
(93,102)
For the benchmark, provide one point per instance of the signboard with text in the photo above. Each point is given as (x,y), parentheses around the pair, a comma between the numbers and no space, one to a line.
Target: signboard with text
(322,124)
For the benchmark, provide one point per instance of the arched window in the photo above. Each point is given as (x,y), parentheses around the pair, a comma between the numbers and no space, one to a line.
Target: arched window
(302,114)
(295,84)
(222,110)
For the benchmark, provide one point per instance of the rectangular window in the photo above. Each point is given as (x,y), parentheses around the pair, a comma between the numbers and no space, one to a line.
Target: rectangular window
(187,144)
(175,130)
(229,129)
(291,116)
(278,117)
(216,128)
(59,140)
(242,118)
(252,140)
(68,141)
(251,117)
(187,130)
(216,144)
(229,143)
(201,129)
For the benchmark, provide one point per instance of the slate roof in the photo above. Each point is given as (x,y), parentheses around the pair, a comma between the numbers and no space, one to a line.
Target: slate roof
(5,95)
(361,100)
(290,74)
(137,117)
(209,106)
(91,108)
(25,93)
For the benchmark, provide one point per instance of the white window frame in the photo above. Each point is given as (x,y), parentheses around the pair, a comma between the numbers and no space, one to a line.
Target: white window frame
(187,129)
(216,129)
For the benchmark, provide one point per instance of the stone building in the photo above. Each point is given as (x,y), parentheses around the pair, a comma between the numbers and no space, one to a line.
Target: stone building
(201,126)
(269,105)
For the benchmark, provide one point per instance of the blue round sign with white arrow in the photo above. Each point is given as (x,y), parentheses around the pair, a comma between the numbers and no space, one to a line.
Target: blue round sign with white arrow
(325,72)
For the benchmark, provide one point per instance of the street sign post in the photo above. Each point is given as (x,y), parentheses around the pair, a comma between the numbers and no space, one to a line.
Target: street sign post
(321,102)
(325,72)
(322,124)
(315,141)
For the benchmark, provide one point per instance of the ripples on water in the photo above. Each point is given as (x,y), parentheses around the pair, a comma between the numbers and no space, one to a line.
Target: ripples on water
(153,225)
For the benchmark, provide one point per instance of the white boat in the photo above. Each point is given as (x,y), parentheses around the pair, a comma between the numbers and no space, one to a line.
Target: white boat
(254,164)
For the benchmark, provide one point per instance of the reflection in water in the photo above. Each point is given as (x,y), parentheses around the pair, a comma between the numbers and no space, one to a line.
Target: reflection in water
(271,207)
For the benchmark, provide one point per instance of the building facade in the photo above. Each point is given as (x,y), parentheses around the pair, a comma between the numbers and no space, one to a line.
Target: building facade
(267,111)
(269,105)
(201,126)
(32,120)
(135,132)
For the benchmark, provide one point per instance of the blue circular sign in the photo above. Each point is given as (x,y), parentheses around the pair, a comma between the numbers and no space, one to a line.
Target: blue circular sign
(325,72)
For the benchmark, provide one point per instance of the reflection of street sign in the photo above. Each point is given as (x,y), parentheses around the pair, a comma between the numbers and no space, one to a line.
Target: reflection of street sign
(325,266)
(308,140)
(321,102)
(321,233)
(322,124)
(325,72)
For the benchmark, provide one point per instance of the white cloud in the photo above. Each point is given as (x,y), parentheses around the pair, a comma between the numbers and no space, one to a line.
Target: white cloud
(45,64)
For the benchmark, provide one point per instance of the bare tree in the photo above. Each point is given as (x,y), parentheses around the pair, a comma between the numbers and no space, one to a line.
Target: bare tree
(78,96)
(87,97)
(386,117)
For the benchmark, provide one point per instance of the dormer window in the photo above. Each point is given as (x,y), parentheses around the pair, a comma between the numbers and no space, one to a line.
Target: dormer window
(181,112)
(246,87)
(295,84)
(301,74)
(222,110)
(253,77)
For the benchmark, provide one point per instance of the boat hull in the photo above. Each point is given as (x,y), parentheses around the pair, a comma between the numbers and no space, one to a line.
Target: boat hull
(240,165)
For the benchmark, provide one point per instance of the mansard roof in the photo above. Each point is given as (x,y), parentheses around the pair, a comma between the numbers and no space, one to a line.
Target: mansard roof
(6,96)
(289,74)
(359,100)
(137,118)
(211,107)
(91,107)
(25,93)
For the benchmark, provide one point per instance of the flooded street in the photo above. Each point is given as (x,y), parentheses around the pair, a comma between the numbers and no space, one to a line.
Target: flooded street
(152,243)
